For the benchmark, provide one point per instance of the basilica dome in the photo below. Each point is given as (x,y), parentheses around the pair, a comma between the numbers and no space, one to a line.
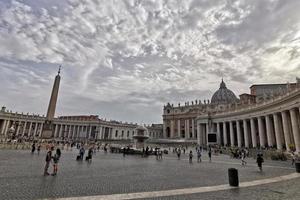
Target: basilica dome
(223,95)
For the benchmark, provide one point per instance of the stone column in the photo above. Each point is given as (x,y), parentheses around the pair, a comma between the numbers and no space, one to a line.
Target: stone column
(172,128)
(188,128)
(41,129)
(225,134)
(7,127)
(295,129)
(246,133)
(269,131)
(30,127)
(231,134)
(90,133)
(253,133)
(239,134)
(35,129)
(24,128)
(3,127)
(207,131)
(193,128)
(286,131)
(278,132)
(164,130)
(69,131)
(199,134)
(55,130)
(261,132)
(178,128)
(74,132)
(60,131)
(218,133)
(100,132)
(18,129)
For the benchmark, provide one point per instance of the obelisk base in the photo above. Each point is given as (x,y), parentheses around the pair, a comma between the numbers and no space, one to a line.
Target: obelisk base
(47,132)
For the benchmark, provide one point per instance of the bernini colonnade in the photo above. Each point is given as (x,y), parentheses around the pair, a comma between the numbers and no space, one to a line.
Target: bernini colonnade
(274,123)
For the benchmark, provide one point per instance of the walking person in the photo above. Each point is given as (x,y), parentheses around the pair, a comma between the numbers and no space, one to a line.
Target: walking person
(90,154)
(243,157)
(33,148)
(199,155)
(293,158)
(209,154)
(191,157)
(259,161)
(55,159)
(48,160)
(81,152)
(178,153)
(39,149)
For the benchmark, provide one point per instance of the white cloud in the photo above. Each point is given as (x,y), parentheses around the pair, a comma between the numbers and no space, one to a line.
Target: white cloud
(137,52)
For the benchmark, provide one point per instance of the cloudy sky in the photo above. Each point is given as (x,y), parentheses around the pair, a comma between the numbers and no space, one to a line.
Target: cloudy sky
(124,60)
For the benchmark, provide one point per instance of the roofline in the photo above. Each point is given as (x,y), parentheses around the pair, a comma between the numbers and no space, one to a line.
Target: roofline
(265,84)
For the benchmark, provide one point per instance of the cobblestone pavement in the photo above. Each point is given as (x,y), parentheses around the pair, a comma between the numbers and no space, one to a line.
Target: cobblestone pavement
(21,175)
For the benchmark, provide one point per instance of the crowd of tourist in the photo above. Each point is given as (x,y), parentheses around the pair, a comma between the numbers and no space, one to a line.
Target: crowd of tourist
(53,154)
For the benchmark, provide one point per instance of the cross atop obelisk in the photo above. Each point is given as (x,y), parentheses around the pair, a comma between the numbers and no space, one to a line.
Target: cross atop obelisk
(54,96)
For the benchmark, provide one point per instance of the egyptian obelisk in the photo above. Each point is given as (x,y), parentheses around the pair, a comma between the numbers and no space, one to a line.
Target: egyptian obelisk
(48,126)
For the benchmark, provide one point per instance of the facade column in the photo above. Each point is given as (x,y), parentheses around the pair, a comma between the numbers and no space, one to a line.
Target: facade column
(172,129)
(225,134)
(231,134)
(253,133)
(199,134)
(74,132)
(164,129)
(7,127)
(178,128)
(193,129)
(188,128)
(261,132)
(239,134)
(218,133)
(286,130)
(69,131)
(55,130)
(269,131)
(100,132)
(207,131)
(3,127)
(35,129)
(60,131)
(295,129)
(41,129)
(90,133)
(18,129)
(246,133)
(278,132)
(78,134)
(30,127)
(24,128)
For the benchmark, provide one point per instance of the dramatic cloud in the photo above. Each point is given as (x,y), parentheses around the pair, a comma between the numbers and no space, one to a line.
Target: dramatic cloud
(124,59)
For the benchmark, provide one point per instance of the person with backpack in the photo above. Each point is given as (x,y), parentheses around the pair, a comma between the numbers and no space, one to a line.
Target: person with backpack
(48,160)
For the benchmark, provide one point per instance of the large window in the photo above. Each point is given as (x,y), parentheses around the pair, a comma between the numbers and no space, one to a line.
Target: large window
(116,134)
